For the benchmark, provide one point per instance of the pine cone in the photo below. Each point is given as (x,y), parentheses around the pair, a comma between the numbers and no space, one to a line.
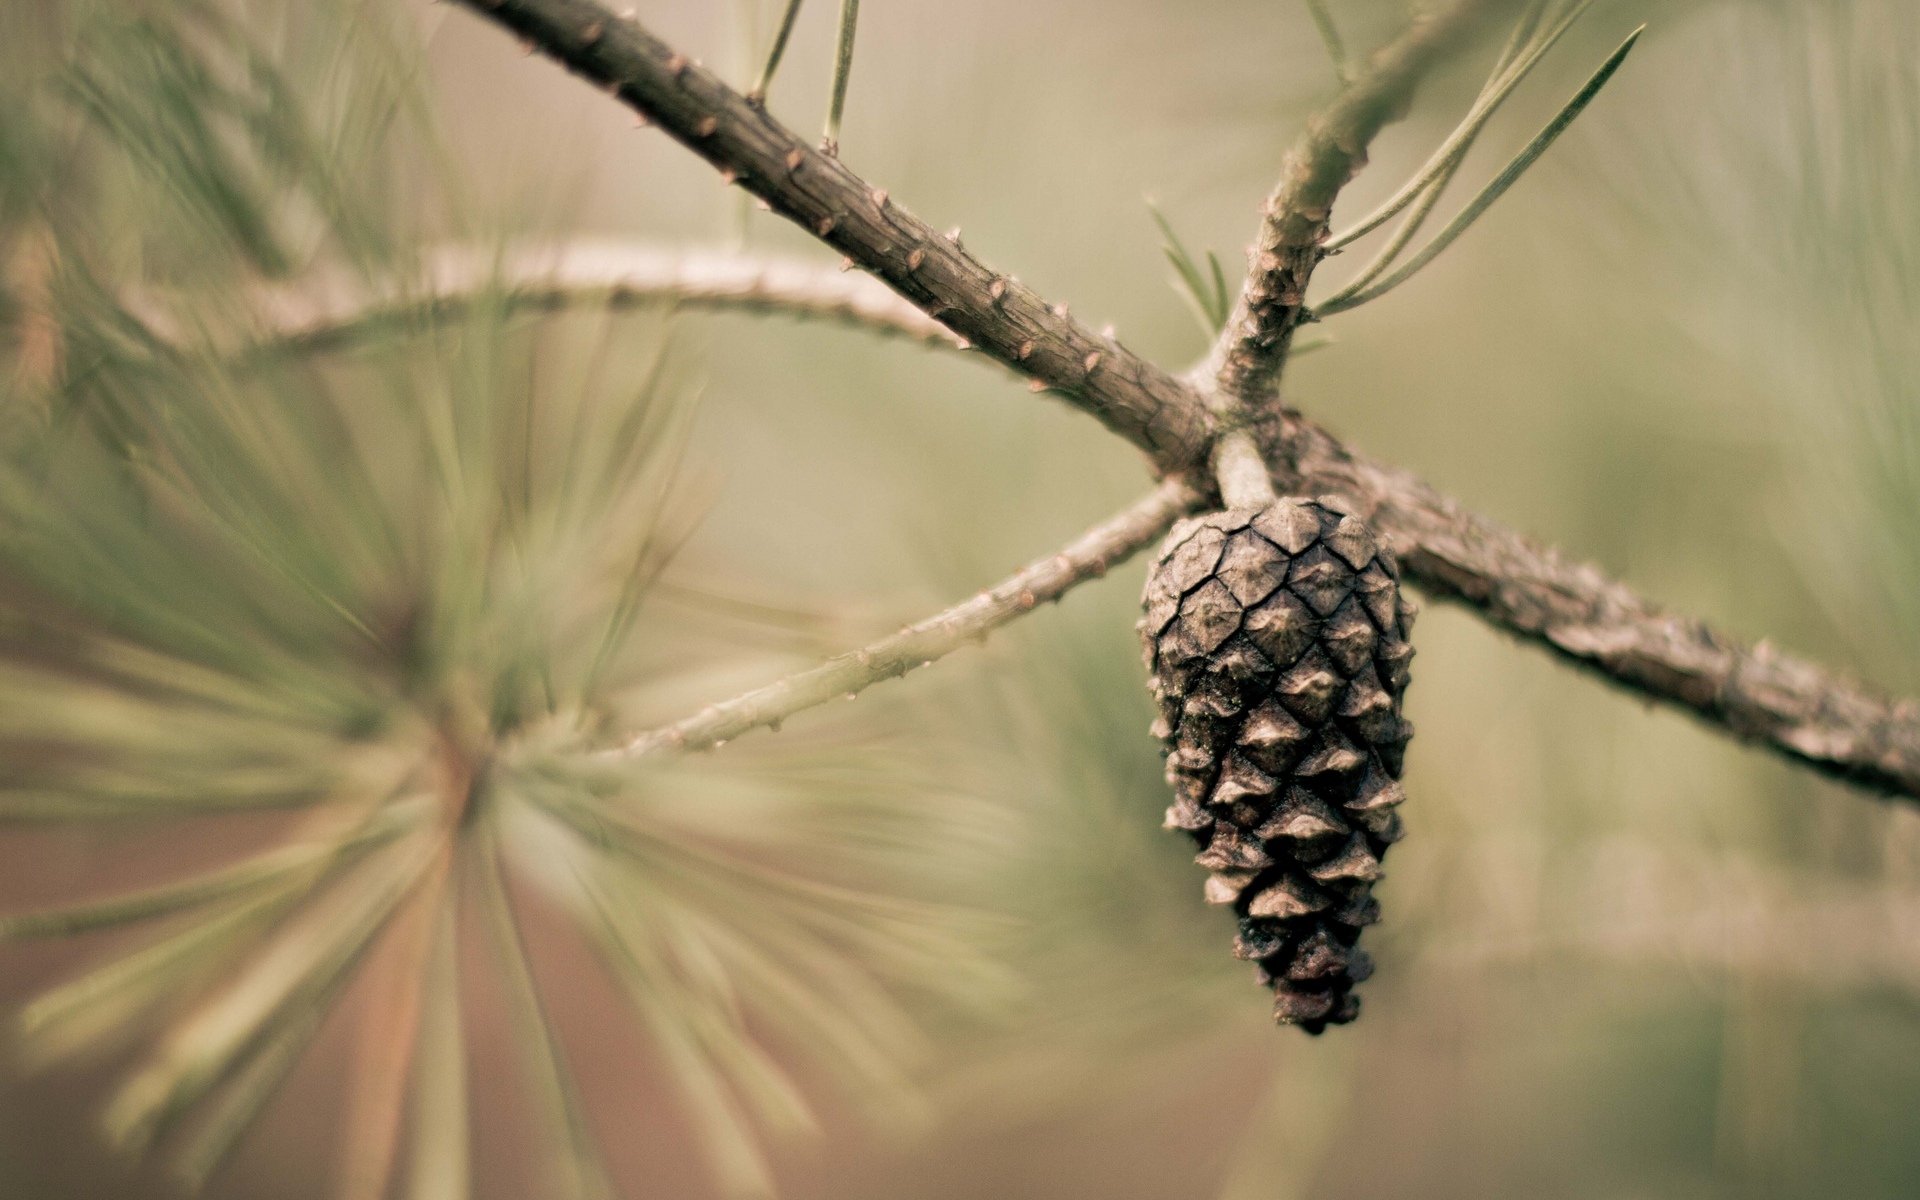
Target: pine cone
(1277,640)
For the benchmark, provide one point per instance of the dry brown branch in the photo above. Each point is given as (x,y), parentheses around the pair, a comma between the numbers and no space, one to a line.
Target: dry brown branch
(993,311)
(1760,695)
(1786,704)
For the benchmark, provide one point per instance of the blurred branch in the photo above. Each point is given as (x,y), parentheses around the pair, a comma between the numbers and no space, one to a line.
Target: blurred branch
(1087,557)
(1788,705)
(1635,904)
(313,316)
(1247,359)
(1358,292)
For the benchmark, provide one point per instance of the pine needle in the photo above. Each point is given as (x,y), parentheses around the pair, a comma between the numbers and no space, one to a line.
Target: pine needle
(581,1172)
(1204,291)
(275,866)
(758,92)
(299,966)
(233,1107)
(1492,192)
(842,69)
(438,1168)
(1522,53)
(1330,36)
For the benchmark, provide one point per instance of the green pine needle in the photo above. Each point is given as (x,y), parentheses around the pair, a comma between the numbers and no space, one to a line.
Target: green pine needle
(438,1168)
(842,71)
(1330,37)
(1523,52)
(758,92)
(274,867)
(1475,208)
(1205,291)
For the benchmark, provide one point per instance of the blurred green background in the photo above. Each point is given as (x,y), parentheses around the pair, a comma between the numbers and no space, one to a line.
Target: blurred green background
(1622,957)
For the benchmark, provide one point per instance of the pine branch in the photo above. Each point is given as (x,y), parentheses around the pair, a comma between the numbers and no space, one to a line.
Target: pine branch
(1247,359)
(992,311)
(1788,705)
(1089,556)
(319,315)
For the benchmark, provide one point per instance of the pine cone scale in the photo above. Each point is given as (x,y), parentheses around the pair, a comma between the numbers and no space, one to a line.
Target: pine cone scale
(1277,642)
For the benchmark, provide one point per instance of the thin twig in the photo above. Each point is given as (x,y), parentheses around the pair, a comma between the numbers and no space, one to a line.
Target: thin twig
(1244,478)
(1087,557)
(1789,705)
(317,315)
(1656,908)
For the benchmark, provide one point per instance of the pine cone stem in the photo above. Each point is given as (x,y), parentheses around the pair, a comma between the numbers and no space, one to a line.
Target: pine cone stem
(1245,481)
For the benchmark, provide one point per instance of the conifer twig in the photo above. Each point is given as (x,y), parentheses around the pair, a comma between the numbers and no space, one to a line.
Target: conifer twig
(1246,360)
(1087,557)
(1791,706)
(992,311)
(323,314)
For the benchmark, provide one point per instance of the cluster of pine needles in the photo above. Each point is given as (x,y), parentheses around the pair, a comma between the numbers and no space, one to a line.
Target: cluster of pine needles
(379,613)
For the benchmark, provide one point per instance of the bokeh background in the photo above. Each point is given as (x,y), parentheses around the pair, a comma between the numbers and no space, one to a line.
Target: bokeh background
(1622,957)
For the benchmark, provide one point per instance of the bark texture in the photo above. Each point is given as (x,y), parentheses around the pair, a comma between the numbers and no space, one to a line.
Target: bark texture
(1246,361)
(1277,639)
(994,312)
(1788,705)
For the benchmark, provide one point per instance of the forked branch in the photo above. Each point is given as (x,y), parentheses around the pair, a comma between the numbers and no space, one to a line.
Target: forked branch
(1246,360)
(1788,705)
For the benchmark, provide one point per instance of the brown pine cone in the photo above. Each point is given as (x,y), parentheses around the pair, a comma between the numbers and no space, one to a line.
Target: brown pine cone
(1277,642)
